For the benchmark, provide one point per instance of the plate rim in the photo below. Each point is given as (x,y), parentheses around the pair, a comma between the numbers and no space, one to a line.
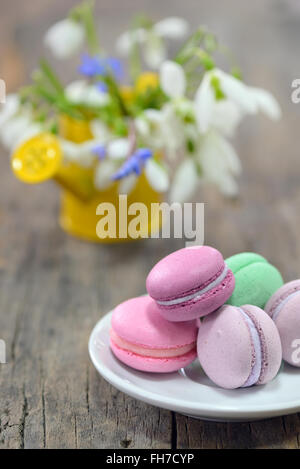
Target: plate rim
(177,405)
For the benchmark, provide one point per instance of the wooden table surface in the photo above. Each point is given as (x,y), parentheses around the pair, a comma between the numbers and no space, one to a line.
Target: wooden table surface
(53,288)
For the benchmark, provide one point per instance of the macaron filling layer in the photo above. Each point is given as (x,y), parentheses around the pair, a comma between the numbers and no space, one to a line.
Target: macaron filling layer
(258,352)
(151,352)
(274,312)
(196,293)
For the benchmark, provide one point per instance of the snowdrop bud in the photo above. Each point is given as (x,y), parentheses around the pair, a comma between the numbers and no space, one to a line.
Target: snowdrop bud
(118,149)
(65,38)
(185,182)
(157,176)
(172,79)
(173,28)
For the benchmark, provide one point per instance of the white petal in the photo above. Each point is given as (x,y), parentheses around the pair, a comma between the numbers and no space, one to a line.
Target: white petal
(10,108)
(103,173)
(127,40)
(80,92)
(100,131)
(75,91)
(29,132)
(157,176)
(95,98)
(237,91)
(80,153)
(127,184)
(11,131)
(219,163)
(228,186)
(204,104)
(226,117)
(185,182)
(228,153)
(65,38)
(173,28)
(266,103)
(154,51)
(172,79)
(118,149)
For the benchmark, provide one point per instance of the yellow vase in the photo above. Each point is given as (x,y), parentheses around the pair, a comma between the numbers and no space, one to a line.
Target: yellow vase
(78,217)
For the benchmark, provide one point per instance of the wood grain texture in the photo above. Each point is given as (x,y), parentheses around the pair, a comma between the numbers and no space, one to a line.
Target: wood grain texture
(53,288)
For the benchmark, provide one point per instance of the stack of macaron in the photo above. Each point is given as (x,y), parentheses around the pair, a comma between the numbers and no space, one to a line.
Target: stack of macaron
(200,305)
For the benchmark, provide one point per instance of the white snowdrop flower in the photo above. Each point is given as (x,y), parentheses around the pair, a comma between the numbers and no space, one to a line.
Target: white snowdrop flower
(185,182)
(226,116)
(127,40)
(151,128)
(10,108)
(103,174)
(173,28)
(100,131)
(31,131)
(157,176)
(65,38)
(155,51)
(172,79)
(266,103)
(118,149)
(173,130)
(152,39)
(236,91)
(219,162)
(80,153)
(127,184)
(80,92)
(204,103)
(13,129)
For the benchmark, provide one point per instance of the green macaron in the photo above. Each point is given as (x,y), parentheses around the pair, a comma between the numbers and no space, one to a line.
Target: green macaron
(255,279)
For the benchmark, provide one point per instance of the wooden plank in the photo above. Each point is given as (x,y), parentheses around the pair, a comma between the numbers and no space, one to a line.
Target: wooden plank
(53,289)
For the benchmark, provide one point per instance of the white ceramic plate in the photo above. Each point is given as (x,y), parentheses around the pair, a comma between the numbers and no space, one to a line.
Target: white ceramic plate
(190,392)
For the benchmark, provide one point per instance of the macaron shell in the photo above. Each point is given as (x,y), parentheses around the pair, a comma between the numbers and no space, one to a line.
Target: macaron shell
(139,321)
(202,306)
(270,342)
(153,365)
(280,294)
(224,347)
(254,284)
(182,271)
(243,259)
(288,325)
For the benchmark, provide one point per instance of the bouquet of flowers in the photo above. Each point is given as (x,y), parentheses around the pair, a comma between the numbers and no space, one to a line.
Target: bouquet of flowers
(172,120)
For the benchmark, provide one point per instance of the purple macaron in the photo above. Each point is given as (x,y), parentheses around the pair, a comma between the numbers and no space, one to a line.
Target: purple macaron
(284,308)
(190,283)
(239,347)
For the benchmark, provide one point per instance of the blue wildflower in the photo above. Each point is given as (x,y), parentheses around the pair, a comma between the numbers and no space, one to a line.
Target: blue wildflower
(135,164)
(101,86)
(116,67)
(99,151)
(91,66)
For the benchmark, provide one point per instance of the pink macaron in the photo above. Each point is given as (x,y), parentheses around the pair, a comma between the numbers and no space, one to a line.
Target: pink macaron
(239,347)
(190,283)
(284,308)
(142,339)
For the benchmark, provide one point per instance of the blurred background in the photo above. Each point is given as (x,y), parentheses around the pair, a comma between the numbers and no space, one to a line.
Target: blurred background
(54,288)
